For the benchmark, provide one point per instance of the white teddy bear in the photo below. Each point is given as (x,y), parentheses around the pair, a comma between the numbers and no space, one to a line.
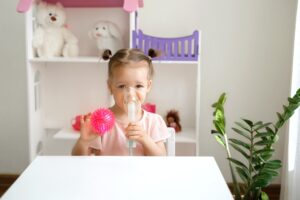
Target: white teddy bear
(51,38)
(108,38)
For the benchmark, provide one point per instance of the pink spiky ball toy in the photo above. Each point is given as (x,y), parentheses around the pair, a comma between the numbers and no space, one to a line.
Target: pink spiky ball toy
(102,120)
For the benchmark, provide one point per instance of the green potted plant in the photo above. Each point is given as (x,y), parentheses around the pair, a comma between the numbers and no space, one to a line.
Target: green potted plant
(256,168)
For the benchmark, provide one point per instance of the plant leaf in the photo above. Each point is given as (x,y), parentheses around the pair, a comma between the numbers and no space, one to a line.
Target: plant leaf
(241,143)
(237,148)
(238,163)
(275,139)
(262,126)
(257,123)
(263,142)
(220,140)
(222,99)
(263,134)
(260,183)
(266,156)
(219,116)
(273,164)
(264,196)
(242,133)
(219,126)
(262,151)
(243,173)
(270,130)
(214,132)
(291,100)
(242,126)
(279,116)
(270,171)
(263,175)
(249,122)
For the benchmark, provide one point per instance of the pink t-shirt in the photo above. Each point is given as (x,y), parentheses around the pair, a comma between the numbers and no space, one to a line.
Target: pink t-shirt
(114,142)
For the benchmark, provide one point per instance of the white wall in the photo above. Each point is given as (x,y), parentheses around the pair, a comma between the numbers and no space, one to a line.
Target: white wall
(13,100)
(291,169)
(246,52)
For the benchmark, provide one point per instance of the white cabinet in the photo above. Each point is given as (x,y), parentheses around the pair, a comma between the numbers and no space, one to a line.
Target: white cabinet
(61,88)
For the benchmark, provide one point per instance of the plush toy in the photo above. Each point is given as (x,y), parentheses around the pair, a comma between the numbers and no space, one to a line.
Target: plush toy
(173,120)
(51,38)
(108,38)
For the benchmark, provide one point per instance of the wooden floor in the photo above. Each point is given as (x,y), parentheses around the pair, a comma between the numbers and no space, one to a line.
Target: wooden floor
(6,180)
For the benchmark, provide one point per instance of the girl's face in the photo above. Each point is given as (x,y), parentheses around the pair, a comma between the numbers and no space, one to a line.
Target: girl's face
(133,75)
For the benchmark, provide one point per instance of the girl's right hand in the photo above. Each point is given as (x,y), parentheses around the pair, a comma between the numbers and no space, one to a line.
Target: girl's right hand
(86,131)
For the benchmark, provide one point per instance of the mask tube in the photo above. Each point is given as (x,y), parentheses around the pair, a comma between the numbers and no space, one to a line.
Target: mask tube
(133,108)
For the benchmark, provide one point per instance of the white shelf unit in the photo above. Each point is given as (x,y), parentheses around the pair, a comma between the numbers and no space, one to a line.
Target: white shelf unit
(61,88)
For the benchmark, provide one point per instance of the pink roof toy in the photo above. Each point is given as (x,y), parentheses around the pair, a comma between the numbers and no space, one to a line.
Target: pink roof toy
(128,5)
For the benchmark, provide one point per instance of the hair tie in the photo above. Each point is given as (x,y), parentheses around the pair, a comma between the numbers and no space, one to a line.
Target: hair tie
(107,54)
(153,53)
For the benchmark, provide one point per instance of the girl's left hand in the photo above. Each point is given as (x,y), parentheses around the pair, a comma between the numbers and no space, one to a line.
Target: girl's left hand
(135,131)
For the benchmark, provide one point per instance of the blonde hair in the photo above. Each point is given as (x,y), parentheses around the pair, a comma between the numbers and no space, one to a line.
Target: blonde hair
(125,56)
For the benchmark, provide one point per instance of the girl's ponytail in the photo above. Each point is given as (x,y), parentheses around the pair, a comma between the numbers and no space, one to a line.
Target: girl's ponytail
(154,53)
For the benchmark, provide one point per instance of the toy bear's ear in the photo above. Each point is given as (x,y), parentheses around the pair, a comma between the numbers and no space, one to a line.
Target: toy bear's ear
(114,31)
(42,4)
(58,4)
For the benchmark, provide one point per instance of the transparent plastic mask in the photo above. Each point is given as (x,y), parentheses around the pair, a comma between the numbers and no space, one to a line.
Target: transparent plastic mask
(131,103)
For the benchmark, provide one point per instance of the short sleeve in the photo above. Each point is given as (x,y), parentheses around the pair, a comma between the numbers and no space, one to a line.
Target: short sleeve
(158,129)
(96,143)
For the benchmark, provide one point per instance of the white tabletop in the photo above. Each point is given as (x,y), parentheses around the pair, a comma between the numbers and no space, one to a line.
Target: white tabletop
(118,178)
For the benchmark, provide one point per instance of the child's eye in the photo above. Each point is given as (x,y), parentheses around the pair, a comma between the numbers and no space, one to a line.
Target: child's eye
(121,86)
(139,86)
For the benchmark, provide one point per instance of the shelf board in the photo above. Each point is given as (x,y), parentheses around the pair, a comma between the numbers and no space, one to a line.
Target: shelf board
(67,134)
(68,60)
(186,136)
(174,62)
(95,60)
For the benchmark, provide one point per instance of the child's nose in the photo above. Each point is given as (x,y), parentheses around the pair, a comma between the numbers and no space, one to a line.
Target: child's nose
(131,94)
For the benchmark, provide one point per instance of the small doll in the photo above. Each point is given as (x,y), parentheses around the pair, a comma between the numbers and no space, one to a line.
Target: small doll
(173,120)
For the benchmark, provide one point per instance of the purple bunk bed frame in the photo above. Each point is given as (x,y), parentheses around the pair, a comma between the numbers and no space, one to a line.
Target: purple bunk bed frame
(173,49)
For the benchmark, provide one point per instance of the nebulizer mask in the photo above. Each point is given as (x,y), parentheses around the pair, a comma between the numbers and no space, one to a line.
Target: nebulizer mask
(133,107)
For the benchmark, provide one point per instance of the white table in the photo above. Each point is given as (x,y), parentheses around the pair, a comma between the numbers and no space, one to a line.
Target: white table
(119,178)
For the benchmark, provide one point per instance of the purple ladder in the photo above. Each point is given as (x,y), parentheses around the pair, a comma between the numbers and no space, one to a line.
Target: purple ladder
(173,49)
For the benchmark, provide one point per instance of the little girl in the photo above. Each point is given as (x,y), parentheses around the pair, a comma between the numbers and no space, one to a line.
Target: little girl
(127,69)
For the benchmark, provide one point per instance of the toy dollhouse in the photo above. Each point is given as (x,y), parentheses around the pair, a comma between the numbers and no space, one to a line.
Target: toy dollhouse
(59,88)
